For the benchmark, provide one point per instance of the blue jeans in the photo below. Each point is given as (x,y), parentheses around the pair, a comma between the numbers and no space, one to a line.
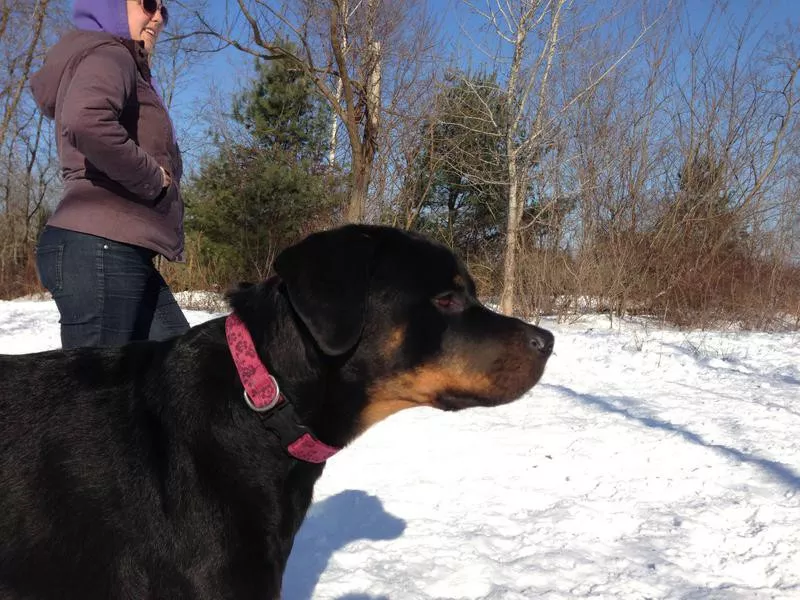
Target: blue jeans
(108,293)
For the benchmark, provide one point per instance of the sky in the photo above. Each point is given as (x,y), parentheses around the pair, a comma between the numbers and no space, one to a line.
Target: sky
(225,72)
(647,463)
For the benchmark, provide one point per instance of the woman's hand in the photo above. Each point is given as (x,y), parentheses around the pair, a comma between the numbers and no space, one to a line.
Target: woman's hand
(166,180)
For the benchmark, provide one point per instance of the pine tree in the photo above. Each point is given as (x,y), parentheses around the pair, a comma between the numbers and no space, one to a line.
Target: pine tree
(459,175)
(256,197)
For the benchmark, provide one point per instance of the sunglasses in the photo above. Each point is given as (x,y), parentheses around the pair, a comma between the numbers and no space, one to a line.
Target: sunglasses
(151,6)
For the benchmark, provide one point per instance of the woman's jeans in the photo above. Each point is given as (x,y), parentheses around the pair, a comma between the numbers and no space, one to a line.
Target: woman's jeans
(108,293)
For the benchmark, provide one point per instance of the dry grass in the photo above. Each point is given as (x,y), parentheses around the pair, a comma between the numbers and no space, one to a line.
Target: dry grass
(621,275)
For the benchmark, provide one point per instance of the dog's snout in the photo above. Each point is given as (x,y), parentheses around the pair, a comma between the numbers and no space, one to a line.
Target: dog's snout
(541,340)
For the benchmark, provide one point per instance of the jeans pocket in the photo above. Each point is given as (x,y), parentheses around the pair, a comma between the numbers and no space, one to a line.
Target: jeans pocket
(49,265)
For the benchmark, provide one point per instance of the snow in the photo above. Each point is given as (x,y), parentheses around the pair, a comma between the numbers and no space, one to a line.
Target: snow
(649,463)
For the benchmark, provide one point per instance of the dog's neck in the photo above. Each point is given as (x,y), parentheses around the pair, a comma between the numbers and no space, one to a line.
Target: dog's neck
(310,380)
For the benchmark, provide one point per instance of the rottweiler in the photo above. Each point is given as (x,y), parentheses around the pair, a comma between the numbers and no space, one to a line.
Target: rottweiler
(183,469)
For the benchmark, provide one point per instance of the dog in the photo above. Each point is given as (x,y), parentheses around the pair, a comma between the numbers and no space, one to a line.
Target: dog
(183,469)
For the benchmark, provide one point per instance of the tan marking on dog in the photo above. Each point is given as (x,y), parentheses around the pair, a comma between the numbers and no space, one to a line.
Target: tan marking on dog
(395,340)
(420,387)
(378,411)
(459,282)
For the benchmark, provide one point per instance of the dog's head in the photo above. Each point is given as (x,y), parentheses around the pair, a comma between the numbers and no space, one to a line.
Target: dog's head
(399,312)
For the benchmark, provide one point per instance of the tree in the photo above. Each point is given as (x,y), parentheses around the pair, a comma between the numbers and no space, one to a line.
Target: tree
(27,158)
(702,196)
(262,192)
(283,115)
(455,190)
(357,54)
(531,36)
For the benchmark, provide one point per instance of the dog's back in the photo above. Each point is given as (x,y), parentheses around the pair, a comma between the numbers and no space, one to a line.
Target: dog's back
(76,464)
(109,487)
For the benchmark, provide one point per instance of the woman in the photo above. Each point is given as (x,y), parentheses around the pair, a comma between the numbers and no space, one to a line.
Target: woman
(121,168)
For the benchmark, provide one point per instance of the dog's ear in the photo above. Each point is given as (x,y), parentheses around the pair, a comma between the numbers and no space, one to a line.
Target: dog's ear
(327,275)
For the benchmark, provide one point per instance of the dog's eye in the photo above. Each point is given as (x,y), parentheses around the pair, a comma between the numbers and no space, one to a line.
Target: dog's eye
(449,302)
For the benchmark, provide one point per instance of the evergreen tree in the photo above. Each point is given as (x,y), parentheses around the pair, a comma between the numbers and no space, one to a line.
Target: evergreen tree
(253,198)
(459,174)
(460,177)
(702,205)
(283,114)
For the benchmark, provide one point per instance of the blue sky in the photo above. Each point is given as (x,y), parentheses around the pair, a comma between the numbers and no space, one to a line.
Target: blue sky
(227,71)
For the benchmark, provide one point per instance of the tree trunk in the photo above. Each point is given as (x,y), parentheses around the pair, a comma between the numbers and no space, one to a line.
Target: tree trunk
(515,195)
(520,154)
(356,209)
(339,85)
(508,295)
(334,126)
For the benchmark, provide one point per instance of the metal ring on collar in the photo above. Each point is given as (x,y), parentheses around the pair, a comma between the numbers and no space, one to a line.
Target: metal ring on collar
(272,402)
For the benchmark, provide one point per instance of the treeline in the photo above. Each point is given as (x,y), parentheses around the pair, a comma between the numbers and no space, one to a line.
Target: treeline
(640,160)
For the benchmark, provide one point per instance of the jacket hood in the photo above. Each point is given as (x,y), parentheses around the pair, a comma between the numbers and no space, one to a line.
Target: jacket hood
(45,82)
(97,22)
(110,16)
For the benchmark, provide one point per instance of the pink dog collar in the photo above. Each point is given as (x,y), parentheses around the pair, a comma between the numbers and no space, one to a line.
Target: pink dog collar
(262,394)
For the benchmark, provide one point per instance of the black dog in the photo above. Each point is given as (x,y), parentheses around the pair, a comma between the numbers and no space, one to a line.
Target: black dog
(146,472)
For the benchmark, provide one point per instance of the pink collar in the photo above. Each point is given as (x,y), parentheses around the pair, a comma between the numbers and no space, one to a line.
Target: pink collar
(262,394)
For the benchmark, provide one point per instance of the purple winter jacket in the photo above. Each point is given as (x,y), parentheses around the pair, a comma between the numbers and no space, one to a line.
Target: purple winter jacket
(113,134)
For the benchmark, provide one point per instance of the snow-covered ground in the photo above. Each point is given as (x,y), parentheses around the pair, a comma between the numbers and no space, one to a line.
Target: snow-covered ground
(648,463)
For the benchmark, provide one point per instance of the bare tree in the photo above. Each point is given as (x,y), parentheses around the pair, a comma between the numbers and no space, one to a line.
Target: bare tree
(27,171)
(352,51)
(679,161)
(19,67)
(180,69)
(531,36)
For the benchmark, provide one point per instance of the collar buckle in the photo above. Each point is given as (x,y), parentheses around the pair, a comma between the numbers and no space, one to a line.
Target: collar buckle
(268,406)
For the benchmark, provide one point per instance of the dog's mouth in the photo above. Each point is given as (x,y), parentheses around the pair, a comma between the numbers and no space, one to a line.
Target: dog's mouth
(504,390)
(453,402)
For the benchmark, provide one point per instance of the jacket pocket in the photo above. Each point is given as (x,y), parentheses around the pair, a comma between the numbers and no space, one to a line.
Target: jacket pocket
(166,199)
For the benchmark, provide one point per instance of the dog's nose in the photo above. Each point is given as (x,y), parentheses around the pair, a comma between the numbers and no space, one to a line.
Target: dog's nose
(541,340)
